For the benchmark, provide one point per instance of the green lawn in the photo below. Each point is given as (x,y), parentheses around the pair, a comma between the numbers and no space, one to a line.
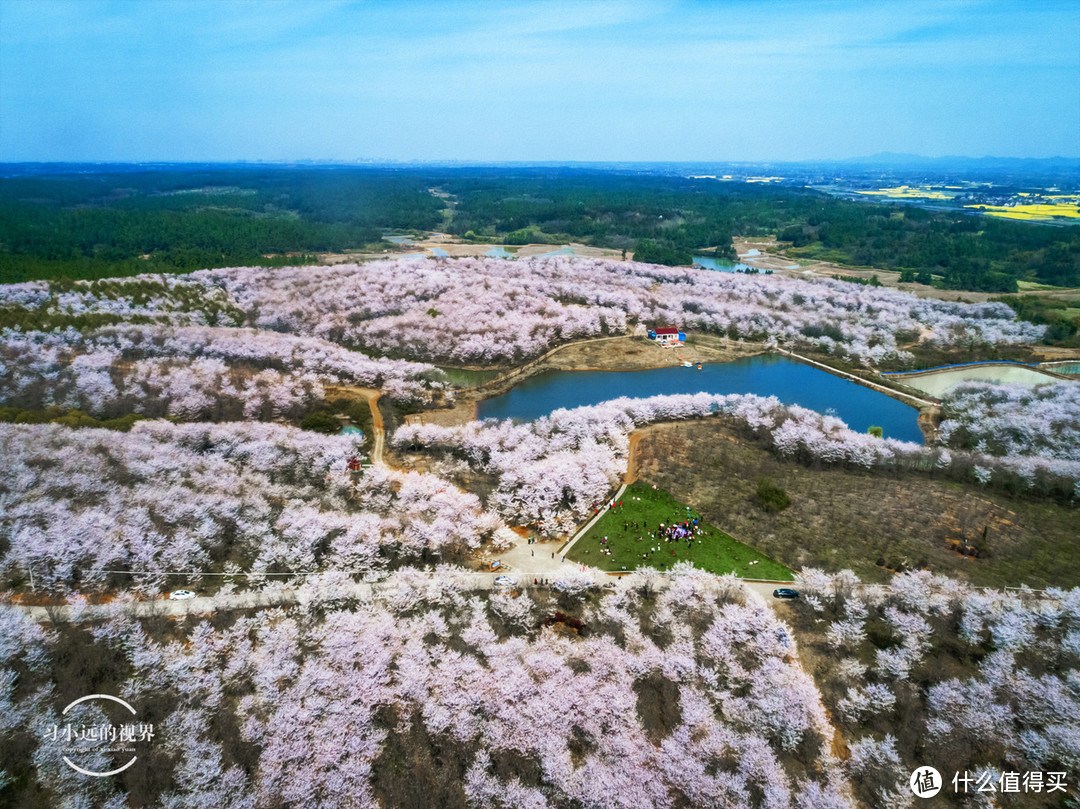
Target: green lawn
(715,551)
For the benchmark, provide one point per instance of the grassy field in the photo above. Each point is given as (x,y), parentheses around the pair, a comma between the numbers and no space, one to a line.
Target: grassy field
(849,518)
(714,551)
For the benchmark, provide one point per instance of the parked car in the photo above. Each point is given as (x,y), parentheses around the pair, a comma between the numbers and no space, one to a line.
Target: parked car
(505,581)
(785,592)
(181,595)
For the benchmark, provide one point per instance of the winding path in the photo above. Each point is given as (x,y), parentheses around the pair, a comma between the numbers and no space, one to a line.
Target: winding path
(371,396)
(585,529)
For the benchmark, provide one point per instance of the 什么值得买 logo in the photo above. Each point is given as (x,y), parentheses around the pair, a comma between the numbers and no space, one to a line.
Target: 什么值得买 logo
(925,782)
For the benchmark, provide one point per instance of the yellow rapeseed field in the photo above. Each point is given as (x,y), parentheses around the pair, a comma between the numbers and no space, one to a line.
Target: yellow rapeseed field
(923,192)
(1031,212)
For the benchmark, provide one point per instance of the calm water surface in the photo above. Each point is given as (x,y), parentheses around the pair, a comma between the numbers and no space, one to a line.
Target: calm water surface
(937,383)
(565,250)
(791,382)
(718,264)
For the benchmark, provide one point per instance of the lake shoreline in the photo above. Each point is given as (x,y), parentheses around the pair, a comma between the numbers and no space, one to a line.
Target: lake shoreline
(624,354)
(792,379)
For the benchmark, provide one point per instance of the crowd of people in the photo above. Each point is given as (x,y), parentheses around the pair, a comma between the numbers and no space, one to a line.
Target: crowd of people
(682,528)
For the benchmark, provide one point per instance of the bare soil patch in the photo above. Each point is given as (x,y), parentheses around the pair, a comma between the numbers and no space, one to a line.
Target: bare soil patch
(847,518)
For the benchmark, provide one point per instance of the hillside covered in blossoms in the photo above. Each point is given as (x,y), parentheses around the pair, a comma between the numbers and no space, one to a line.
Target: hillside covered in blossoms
(349,645)
(539,405)
(489,310)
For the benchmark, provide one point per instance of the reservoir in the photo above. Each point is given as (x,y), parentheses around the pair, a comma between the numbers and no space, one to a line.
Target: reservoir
(719,264)
(769,375)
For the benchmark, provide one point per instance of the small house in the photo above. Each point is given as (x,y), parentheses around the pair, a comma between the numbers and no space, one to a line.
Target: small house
(666,335)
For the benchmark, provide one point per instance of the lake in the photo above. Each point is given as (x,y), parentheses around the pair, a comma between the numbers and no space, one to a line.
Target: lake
(719,264)
(769,375)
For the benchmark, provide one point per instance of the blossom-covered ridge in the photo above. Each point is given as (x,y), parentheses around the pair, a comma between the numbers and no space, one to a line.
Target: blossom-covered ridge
(198,497)
(1014,419)
(477,310)
(192,372)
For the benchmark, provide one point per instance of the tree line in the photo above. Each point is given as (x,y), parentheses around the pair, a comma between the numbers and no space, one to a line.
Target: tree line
(119,221)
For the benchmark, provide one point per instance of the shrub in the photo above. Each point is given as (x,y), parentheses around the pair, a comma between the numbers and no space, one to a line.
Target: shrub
(771,497)
(321,421)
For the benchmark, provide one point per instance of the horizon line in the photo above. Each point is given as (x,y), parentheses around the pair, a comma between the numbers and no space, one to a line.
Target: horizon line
(887,157)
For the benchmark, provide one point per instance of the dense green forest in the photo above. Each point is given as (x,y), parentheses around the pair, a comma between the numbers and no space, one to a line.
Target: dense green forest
(968,252)
(679,216)
(93,221)
(611,209)
(117,223)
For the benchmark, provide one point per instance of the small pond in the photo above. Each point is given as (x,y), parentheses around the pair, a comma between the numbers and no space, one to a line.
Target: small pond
(937,381)
(769,375)
(1064,368)
(719,264)
(565,250)
(467,378)
(498,251)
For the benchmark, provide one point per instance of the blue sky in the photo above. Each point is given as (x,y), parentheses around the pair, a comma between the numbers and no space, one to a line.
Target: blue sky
(755,81)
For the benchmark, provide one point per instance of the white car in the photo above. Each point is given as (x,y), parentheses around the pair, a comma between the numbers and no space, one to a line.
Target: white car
(505,581)
(181,595)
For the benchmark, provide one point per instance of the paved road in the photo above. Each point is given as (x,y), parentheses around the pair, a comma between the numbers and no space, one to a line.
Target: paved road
(362,591)
(565,549)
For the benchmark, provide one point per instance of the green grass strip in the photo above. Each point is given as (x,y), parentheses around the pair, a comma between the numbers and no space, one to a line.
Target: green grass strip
(713,550)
